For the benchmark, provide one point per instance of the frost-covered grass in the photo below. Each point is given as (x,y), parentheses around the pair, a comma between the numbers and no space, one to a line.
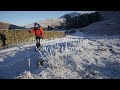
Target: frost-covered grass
(94,58)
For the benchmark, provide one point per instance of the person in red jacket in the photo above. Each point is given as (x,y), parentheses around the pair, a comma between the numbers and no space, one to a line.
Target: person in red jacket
(39,33)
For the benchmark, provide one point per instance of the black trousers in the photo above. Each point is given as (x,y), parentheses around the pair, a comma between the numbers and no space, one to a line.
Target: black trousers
(38,41)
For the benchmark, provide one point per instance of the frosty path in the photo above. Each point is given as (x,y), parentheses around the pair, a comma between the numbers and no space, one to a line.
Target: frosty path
(91,58)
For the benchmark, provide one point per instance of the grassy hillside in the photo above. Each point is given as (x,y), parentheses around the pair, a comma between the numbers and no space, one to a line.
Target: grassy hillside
(20,36)
(110,25)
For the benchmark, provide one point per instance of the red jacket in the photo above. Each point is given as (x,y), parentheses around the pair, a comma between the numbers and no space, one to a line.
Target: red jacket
(38,32)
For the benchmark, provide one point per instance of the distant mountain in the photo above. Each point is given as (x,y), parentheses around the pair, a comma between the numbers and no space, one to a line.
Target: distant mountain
(54,21)
(9,26)
(51,22)
(109,26)
(73,14)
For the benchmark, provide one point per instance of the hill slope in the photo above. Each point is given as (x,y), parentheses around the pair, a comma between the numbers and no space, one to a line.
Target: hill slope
(109,26)
(9,26)
(51,22)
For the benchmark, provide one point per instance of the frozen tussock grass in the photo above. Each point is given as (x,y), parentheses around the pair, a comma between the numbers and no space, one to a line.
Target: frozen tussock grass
(92,58)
